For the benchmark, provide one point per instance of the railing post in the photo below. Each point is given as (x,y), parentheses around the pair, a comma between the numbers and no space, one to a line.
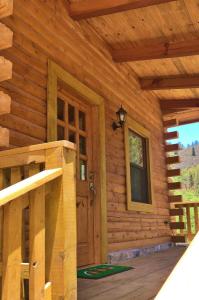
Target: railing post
(61,226)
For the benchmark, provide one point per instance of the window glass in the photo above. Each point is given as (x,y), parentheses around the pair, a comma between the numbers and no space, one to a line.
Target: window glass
(136,149)
(83,170)
(82,145)
(72,136)
(71,115)
(60,109)
(82,121)
(60,133)
(138,168)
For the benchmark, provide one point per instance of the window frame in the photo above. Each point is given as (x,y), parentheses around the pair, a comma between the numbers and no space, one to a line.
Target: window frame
(143,132)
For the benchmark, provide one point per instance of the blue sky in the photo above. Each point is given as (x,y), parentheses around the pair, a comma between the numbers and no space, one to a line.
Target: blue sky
(188,133)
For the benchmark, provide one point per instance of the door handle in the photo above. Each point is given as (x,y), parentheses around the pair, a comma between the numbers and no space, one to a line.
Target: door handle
(92,188)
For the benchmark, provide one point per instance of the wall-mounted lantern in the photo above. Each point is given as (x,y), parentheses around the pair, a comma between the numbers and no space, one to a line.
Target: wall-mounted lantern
(121,116)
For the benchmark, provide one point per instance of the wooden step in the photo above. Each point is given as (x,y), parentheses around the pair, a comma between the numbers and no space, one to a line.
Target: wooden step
(173,172)
(5,103)
(177,225)
(174,186)
(171,135)
(174,212)
(5,69)
(172,160)
(6,37)
(178,239)
(4,137)
(172,147)
(175,198)
(6,8)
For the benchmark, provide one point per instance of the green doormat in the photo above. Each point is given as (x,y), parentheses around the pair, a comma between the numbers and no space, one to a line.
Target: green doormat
(101,271)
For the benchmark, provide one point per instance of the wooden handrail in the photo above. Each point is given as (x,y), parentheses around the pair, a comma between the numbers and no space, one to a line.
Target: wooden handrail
(38,232)
(19,189)
(183,281)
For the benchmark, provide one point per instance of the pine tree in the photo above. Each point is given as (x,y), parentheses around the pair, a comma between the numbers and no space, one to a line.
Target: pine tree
(193,151)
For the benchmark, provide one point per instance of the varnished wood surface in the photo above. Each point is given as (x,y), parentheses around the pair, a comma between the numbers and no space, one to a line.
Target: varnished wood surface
(84,54)
(141,283)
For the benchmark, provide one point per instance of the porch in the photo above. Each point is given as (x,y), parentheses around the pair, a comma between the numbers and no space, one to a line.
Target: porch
(141,283)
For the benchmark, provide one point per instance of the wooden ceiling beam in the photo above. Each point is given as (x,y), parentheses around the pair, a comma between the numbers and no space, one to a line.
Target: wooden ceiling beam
(93,8)
(179,104)
(168,83)
(157,51)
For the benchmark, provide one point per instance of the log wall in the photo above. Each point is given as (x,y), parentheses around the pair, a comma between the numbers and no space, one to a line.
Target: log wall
(43,30)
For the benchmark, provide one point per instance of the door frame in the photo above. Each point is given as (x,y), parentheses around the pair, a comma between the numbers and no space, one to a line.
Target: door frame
(55,73)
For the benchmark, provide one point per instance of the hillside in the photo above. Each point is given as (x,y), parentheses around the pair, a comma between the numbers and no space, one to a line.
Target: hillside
(189,157)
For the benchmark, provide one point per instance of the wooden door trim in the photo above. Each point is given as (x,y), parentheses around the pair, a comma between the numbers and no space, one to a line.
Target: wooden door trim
(55,73)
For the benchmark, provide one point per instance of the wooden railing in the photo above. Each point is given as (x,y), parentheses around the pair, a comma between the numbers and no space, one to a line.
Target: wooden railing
(38,222)
(188,222)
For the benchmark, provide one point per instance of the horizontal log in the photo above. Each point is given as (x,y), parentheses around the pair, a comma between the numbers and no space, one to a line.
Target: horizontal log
(171,135)
(174,186)
(6,8)
(170,123)
(172,160)
(157,50)
(177,225)
(178,239)
(175,198)
(176,212)
(172,147)
(5,103)
(4,137)
(179,104)
(173,172)
(6,37)
(93,8)
(167,83)
(5,69)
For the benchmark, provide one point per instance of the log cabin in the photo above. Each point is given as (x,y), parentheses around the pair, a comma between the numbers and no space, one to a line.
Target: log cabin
(88,91)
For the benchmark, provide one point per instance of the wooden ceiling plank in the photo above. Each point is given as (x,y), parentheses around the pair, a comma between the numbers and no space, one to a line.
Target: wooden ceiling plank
(167,83)
(157,51)
(93,8)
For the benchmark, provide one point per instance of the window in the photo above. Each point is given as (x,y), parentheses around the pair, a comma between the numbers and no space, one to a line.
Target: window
(137,143)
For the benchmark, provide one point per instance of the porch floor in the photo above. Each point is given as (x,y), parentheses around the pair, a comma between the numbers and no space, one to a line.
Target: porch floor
(141,283)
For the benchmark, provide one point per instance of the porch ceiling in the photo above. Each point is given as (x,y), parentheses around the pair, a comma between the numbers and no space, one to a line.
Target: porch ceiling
(167,29)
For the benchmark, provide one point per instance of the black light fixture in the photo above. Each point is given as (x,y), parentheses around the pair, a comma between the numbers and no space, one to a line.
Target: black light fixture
(121,115)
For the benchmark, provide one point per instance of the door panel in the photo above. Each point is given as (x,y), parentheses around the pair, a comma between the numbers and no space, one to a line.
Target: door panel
(74,124)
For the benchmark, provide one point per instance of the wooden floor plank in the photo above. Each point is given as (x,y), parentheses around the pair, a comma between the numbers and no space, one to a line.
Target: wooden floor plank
(141,283)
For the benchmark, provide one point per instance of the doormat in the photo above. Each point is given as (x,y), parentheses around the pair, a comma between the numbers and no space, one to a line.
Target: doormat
(101,271)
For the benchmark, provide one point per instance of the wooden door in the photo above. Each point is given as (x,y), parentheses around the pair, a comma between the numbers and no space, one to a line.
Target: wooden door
(74,124)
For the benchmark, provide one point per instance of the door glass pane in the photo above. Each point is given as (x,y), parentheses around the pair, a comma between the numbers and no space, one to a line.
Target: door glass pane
(83,170)
(60,109)
(72,136)
(82,121)
(60,133)
(82,145)
(71,115)
(136,149)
